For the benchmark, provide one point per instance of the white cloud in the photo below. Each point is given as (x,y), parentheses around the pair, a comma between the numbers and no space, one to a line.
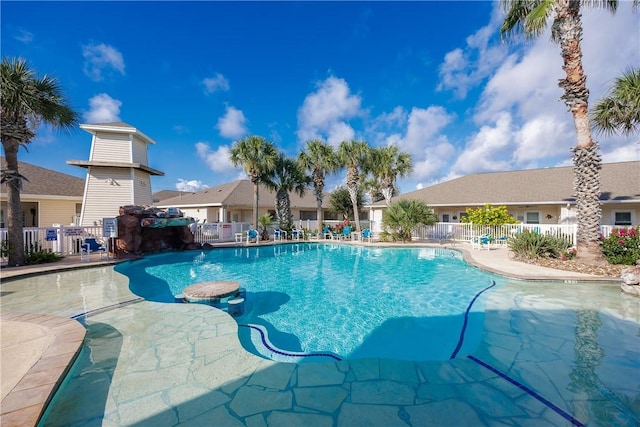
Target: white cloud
(99,58)
(217,160)
(24,36)
(215,84)
(489,149)
(541,137)
(325,113)
(103,109)
(465,68)
(233,124)
(192,185)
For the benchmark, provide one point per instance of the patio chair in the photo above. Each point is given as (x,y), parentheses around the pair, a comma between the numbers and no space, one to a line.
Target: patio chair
(90,244)
(366,235)
(252,235)
(346,233)
(326,232)
(481,242)
(279,234)
(297,234)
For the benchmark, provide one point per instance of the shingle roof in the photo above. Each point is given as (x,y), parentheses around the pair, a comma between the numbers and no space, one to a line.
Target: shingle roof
(619,182)
(239,193)
(45,182)
(161,195)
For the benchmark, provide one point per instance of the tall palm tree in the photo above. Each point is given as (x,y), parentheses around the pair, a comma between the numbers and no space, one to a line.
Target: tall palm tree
(355,156)
(619,111)
(531,17)
(257,156)
(287,176)
(320,159)
(387,164)
(26,101)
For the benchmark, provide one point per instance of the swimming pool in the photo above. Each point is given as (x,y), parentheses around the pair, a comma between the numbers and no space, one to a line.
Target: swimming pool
(307,302)
(552,353)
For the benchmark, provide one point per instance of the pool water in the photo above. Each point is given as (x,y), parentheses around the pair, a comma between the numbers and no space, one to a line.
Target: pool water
(349,302)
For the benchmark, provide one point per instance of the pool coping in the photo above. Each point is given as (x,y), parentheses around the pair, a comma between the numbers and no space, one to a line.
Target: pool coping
(27,401)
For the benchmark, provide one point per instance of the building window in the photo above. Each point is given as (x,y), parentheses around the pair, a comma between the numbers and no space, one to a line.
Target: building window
(308,215)
(622,218)
(533,217)
(445,217)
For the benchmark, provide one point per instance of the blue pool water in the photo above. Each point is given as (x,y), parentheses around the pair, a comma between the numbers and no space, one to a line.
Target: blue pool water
(351,302)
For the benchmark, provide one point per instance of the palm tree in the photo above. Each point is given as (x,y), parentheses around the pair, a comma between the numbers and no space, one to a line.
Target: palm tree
(530,17)
(257,156)
(354,155)
(387,164)
(26,101)
(320,159)
(406,215)
(620,110)
(287,176)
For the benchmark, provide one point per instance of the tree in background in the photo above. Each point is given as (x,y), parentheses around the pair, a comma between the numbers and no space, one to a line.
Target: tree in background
(340,202)
(320,159)
(26,101)
(619,111)
(354,155)
(387,164)
(257,156)
(530,18)
(489,215)
(287,176)
(402,218)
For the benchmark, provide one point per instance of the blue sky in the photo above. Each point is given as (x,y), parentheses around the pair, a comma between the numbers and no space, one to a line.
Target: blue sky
(432,77)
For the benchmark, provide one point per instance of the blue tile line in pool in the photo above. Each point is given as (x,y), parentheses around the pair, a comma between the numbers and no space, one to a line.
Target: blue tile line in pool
(272,348)
(529,391)
(466,320)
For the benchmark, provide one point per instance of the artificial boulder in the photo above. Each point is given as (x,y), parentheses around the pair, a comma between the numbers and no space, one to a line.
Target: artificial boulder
(631,280)
(143,231)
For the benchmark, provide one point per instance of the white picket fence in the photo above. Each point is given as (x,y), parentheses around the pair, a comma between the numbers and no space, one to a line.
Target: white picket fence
(66,240)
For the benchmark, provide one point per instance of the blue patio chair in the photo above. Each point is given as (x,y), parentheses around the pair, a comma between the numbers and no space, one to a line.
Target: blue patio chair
(279,234)
(252,235)
(326,232)
(346,233)
(481,242)
(366,235)
(90,244)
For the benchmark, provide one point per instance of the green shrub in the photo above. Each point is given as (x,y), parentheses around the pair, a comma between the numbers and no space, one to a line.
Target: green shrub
(489,215)
(42,257)
(622,246)
(530,244)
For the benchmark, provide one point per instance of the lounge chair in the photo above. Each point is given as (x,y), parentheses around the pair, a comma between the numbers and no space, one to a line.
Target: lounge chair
(326,232)
(346,233)
(366,235)
(481,242)
(90,244)
(252,235)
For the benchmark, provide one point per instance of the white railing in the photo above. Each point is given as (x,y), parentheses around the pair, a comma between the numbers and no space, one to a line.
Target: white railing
(466,231)
(66,240)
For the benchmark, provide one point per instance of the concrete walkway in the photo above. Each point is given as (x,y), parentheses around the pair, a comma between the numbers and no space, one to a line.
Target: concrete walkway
(37,350)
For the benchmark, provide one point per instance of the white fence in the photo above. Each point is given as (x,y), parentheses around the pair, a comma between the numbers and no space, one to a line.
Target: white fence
(66,240)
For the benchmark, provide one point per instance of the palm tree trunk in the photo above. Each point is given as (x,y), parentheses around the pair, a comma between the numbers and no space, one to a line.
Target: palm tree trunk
(567,29)
(255,203)
(318,188)
(352,187)
(14,210)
